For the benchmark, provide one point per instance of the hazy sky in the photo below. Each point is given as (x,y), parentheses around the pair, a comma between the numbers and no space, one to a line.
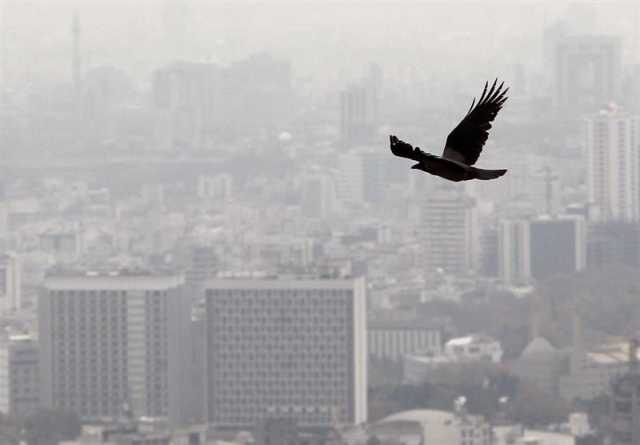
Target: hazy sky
(328,40)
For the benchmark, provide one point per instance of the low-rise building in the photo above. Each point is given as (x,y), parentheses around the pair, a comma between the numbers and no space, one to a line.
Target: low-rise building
(394,339)
(474,348)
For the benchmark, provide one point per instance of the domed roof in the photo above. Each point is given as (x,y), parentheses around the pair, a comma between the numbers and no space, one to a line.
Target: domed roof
(538,347)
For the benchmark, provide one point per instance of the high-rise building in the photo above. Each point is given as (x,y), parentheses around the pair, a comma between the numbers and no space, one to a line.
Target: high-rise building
(587,72)
(286,348)
(19,379)
(624,412)
(613,242)
(514,255)
(350,180)
(10,282)
(558,246)
(110,339)
(542,247)
(200,102)
(359,109)
(612,144)
(191,98)
(202,263)
(447,221)
(363,175)
(318,195)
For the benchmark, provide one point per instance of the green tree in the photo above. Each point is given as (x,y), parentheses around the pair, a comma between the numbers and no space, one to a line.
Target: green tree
(49,426)
(533,407)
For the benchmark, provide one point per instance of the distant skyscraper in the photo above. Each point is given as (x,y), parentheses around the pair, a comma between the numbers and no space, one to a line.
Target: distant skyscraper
(488,258)
(359,109)
(318,195)
(514,254)
(613,242)
(363,175)
(200,102)
(190,95)
(286,348)
(19,379)
(558,246)
(447,224)
(587,72)
(350,186)
(540,248)
(545,192)
(612,145)
(76,68)
(10,282)
(624,413)
(111,339)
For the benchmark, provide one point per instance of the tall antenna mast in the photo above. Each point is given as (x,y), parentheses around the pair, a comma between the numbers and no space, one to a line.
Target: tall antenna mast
(75,60)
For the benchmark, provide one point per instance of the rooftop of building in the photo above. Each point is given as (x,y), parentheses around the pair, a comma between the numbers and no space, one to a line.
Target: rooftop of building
(402,325)
(111,279)
(613,353)
(280,282)
(471,339)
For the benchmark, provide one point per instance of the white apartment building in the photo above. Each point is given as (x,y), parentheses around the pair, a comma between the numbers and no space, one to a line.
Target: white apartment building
(612,141)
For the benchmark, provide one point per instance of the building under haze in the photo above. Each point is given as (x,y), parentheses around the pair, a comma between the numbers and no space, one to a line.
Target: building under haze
(612,145)
(189,98)
(587,72)
(447,231)
(359,109)
(107,339)
(318,194)
(624,412)
(394,339)
(558,246)
(19,379)
(10,282)
(514,254)
(539,248)
(199,102)
(613,242)
(282,348)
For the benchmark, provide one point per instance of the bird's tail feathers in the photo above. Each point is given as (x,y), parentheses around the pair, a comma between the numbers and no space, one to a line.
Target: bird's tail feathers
(489,174)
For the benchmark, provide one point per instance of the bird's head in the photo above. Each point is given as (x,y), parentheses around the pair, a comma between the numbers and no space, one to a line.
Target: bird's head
(418,166)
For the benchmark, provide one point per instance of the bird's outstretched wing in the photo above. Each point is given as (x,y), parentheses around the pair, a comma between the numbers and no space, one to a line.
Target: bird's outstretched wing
(465,142)
(404,150)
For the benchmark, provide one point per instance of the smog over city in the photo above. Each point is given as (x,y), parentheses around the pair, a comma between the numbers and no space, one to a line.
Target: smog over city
(319,222)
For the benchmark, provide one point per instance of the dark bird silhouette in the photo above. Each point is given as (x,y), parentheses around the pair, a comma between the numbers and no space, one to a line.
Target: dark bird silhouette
(464,144)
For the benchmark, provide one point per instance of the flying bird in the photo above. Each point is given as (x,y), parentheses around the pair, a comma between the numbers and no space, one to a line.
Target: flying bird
(464,144)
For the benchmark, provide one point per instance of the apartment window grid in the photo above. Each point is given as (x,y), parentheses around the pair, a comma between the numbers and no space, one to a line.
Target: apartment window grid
(278,348)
